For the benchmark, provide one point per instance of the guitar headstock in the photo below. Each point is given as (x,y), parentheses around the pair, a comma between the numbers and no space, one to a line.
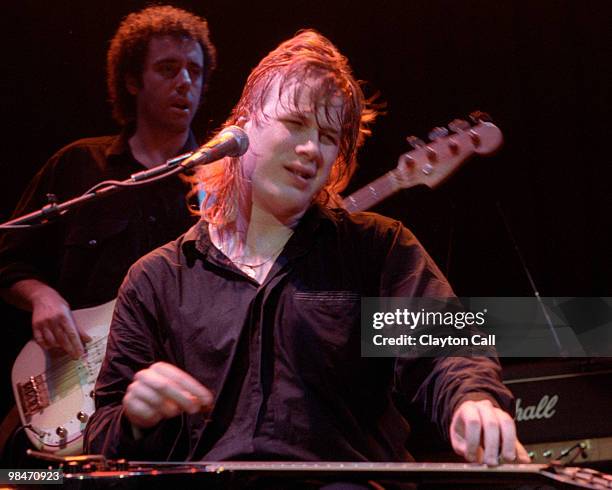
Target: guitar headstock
(432,163)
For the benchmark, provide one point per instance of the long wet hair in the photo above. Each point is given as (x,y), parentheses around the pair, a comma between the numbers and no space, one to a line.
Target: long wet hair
(316,65)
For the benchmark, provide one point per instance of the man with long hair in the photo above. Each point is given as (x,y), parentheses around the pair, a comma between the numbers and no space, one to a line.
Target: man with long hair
(241,339)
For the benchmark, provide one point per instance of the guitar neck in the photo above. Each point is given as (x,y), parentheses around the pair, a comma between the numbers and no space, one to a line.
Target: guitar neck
(349,467)
(373,193)
(429,164)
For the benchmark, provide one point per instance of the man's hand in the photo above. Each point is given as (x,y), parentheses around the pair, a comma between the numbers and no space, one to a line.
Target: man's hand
(53,325)
(481,432)
(163,391)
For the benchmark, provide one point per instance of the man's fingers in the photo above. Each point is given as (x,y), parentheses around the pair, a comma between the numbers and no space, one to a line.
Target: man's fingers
(40,338)
(163,391)
(473,426)
(457,435)
(491,435)
(56,327)
(49,338)
(521,453)
(508,434)
(185,382)
(82,335)
(170,409)
(156,401)
(145,393)
(140,412)
(482,432)
(67,340)
(470,424)
(69,328)
(185,400)
(64,343)
(168,387)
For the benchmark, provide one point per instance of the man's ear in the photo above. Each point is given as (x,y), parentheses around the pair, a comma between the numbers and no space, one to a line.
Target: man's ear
(132,85)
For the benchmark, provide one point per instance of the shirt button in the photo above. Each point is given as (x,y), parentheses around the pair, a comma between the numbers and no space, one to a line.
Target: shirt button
(93,242)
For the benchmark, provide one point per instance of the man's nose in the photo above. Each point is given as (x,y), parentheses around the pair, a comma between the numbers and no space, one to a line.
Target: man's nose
(184,80)
(310,148)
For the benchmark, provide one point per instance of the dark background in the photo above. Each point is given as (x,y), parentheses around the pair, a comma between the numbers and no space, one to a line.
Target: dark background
(540,68)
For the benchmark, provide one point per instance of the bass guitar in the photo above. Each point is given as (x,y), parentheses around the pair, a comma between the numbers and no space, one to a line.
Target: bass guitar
(54,393)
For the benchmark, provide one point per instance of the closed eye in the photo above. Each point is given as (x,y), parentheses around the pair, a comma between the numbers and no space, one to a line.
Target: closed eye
(293,122)
(329,138)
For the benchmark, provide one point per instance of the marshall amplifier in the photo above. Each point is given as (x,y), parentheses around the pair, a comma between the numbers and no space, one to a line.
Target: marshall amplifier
(561,399)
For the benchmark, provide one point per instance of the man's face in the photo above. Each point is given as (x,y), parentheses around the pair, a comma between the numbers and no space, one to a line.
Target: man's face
(291,151)
(169,93)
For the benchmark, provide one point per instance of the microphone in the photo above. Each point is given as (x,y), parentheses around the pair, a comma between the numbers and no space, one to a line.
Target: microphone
(231,142)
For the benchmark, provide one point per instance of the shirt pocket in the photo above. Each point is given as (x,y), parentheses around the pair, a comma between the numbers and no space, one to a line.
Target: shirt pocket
(331,317)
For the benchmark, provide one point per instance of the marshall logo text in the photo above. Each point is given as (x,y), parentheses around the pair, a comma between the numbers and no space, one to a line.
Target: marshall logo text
(544,409)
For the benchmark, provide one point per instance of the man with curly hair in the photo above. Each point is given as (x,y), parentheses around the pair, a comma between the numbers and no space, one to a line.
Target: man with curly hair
(158,66)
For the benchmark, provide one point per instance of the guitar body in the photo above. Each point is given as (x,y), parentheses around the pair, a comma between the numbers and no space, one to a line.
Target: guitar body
(54,393)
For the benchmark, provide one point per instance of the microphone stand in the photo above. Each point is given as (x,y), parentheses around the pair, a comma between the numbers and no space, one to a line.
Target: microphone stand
(562,351)
(53,210)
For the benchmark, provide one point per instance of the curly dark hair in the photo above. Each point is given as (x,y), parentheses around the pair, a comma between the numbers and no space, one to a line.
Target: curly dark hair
(128,49)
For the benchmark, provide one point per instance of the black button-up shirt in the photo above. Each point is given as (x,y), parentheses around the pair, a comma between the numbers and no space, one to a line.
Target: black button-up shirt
(86,254)
(282,358)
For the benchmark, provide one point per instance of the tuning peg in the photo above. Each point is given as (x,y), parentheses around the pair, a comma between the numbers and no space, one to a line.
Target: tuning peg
(475,137)
(437,133)
(427,169)
(459,125)
(453,146)
(479,116)
(415,142)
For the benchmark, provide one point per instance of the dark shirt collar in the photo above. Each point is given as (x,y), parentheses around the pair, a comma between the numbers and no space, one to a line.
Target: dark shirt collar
(197,238)
(120,147)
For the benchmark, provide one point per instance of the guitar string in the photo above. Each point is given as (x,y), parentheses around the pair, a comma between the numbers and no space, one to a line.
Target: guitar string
(64,360)
(64,383)
(384,188)
(56,374)
(68,371)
